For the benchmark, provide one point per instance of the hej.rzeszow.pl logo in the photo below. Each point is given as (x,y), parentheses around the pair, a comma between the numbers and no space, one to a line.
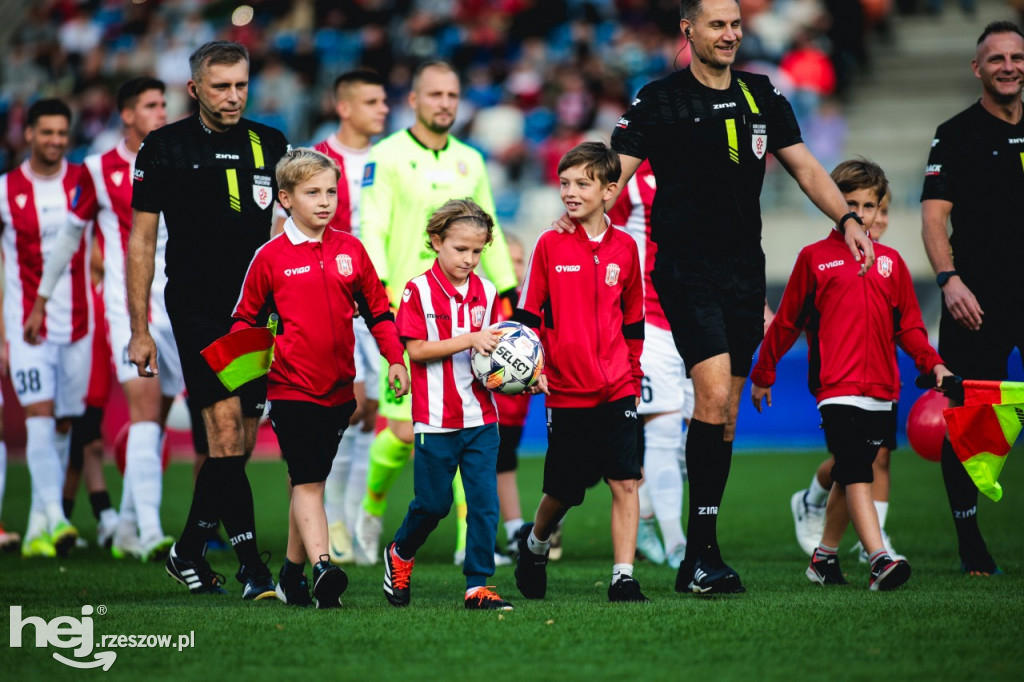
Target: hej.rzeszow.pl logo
(68,632)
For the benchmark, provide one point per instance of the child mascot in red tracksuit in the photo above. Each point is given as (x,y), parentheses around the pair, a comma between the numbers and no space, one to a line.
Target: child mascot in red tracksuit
(316,279)
(584,291)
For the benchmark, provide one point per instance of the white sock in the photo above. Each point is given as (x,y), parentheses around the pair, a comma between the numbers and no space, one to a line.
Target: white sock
(620,571)
(36,524)
(536,546)
(666,491)
(663,437)
(883,510)
(62,442)
(3,474)
(644,494)
(45,469)
(126,514)
(355,486)
(108,516)
(334,486)
(511,526)
(144,476)
(817,496)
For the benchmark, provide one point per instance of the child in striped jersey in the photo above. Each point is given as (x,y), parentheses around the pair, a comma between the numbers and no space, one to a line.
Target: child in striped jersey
(442,319)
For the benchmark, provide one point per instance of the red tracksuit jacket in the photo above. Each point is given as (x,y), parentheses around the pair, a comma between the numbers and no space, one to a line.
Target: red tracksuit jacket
(852,323)
(315,288)
(587,300)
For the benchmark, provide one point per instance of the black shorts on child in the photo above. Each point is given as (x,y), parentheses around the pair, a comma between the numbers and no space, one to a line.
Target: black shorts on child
(853,437)
(588,444)
(309,435)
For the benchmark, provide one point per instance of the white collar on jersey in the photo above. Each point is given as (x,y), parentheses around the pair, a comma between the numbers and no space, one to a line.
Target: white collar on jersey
(295,235)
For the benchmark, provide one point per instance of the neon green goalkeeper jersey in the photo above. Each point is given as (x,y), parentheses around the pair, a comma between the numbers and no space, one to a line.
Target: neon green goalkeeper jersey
(403,183)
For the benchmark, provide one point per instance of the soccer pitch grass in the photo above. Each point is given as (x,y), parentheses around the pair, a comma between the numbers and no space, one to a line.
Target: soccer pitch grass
(940,626)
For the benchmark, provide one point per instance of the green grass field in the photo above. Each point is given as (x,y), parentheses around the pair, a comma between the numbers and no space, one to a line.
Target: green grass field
(941,626)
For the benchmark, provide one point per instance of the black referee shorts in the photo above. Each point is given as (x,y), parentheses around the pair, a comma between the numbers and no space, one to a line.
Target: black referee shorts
(193,333)
(309,435)
(713,307)
(981,354)
(853,436)
(587,444)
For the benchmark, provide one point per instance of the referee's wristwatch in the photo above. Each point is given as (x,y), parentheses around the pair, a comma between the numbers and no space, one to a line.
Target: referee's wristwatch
(945,276)
(852,215)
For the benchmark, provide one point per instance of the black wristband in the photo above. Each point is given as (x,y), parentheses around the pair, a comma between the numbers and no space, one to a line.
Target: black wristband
(943,277)
(841,225)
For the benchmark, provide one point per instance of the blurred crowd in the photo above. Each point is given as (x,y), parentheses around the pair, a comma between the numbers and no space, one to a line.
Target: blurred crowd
(538,75)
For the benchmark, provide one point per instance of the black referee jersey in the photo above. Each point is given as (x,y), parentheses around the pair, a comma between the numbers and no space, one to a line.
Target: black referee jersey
(217,193)
(977,163)
(708,150)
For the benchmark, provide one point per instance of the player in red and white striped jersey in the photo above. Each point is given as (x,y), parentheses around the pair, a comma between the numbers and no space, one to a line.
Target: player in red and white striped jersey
(143,109)
(444,315)
(50,369)
(361,104)
(666,403)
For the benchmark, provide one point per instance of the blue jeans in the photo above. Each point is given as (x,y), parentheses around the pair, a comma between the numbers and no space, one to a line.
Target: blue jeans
(474,451)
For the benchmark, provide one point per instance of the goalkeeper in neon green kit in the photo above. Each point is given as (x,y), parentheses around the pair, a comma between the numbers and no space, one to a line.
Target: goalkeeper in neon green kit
(411,173)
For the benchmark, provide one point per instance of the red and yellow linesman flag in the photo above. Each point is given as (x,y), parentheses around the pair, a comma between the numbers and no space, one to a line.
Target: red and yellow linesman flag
(239,357)
(985,428)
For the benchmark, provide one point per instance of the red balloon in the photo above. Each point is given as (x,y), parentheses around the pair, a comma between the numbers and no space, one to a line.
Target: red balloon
(121,448)
(926,426)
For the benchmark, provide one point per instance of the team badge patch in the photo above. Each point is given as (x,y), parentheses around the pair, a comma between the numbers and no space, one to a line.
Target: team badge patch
(611,275)
(461,168)
(116,177)
(344,262)
(759,139)
(476,314)
(884,265)
(20,200)
(261,195)
(406,295)
(368,172)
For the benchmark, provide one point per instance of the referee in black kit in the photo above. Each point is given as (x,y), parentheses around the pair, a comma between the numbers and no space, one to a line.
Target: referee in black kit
(212,176)
(706,130)
(975,179)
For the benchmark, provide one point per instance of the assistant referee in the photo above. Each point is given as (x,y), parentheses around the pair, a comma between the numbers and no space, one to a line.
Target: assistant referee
(212,176)
(707,131)
(974,178)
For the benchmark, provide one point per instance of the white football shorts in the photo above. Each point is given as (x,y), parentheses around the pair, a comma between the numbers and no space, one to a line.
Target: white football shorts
(51,371)
(171,380)
(665,386)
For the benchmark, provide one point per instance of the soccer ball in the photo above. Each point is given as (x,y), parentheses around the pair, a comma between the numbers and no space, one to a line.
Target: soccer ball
(515,364)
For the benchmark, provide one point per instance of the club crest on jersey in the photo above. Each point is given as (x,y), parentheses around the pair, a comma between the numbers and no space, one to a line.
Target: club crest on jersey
(884,264)
(651,182)
(117,177)
(406,295)
(759,139)
(20,200)
(476,314)
(611,275)
(462,168)
(261,195)
(344,262)
(368,172)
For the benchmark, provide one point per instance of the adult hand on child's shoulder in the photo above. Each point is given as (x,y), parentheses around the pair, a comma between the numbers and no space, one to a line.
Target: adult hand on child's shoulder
(563,224)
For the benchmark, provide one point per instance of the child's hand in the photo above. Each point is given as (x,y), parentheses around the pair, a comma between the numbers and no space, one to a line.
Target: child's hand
(485,340)
(759,392)
(540,387)
(398,374)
